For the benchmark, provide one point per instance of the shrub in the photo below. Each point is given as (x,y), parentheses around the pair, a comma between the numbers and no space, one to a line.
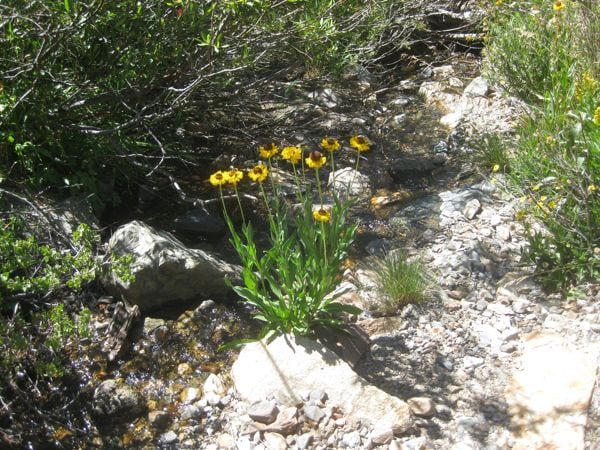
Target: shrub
(556,163)
(400,282)
(291,281)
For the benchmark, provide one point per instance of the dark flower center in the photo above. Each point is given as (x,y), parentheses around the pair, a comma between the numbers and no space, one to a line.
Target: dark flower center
(315,155)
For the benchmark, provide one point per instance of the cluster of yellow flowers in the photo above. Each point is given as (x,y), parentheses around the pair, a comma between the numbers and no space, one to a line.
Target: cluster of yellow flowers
(596,117)
(292,154)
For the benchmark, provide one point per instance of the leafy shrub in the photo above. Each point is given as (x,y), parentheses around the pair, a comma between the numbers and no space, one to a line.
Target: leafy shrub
(556,164)
(400,282)
(290,283)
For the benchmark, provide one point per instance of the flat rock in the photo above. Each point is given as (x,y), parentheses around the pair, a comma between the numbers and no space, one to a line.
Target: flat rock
(548,396)
(288,366)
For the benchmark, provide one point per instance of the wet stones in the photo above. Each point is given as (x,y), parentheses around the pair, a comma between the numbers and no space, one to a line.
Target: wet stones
(114,400)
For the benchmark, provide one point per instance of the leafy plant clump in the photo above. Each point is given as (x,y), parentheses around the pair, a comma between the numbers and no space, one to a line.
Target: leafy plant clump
(290,283)
(548,53)
(400,282)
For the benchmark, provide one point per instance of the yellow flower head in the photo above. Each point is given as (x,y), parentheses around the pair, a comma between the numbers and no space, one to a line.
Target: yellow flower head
(596,118)
(258,173)
(293,154)
(322,215)
(268,150)
(536,187)
(217,178)
(558,6)
(496,168)
(591,188)
(315,159)
(234,176)
(330,144)
(552,204)
(360,143)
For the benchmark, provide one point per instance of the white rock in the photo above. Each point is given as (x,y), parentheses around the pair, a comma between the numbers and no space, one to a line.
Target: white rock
(214,385)
(549,395)
(165,270)
(348,181)
(290,365)
(275,441)
(478,87)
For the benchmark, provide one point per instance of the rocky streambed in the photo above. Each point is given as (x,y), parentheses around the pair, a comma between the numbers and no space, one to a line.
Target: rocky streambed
(488,362)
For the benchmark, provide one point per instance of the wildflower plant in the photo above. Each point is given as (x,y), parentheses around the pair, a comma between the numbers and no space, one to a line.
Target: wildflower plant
(291,281)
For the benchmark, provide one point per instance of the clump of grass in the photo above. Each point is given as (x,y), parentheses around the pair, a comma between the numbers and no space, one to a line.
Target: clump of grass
(400,281)
(491,154)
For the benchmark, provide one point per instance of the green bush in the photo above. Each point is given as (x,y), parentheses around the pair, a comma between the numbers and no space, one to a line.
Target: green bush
(548,55)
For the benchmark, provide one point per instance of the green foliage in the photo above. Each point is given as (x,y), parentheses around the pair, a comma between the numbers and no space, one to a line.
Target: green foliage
(491,154)
(29,269)
(400,282)
(556,163)
(290,282)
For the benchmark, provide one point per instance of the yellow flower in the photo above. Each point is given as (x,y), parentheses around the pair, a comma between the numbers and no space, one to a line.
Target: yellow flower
(496,168)
(268,150)
(258,173)
(591,188)
(322,215)
(292,154)
(520,214)
(315,159)
(550,140)
(330,144)
(360,143)
(543,198)
(558,6)
(552,204)
(234,176)
(217,178)
(596,118)
(536,187)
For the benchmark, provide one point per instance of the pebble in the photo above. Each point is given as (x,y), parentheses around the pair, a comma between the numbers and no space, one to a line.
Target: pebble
(421,406)
(263,412)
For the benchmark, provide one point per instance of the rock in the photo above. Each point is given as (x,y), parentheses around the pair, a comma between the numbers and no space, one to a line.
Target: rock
(214,385)
(451,120)
(313,413)
(472,208)
(71,213)
(165,270)
(304,441)
(263,412)
(226,442)
(351,440)
(348,181)
(159,419)
(317,396)
(288,365)
(381,436)
(471,362)
(200,221)
(409,168)
(184,369)
(114,400)
(421,406)
(286,422)
(549,393)
(190,394)
(275,441)
(478,87)
(324,97)
(170,437)
(419,443)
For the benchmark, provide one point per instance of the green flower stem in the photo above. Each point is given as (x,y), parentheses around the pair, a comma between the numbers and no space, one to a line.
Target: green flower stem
(237,196)
(319,186)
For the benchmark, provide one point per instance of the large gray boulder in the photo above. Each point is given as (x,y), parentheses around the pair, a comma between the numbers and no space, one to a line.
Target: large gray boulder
(165,270)
(289,367)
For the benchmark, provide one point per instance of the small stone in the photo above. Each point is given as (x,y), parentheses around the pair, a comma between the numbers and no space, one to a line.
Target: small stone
(190,412)
(500,309)
(351,440)
(472,208)
(286,422)
(304,441)
(184,369)
(481,305)
(170,437)
(471,362)
(189,394)
(159,419)
(508,347)
(382,436)
(419,443)
(214,385)
(441,147)
(503,233)
(275,441)
(226,442)
(478,87)
(313,413)
(421,406)
(457,294)
(263,412)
